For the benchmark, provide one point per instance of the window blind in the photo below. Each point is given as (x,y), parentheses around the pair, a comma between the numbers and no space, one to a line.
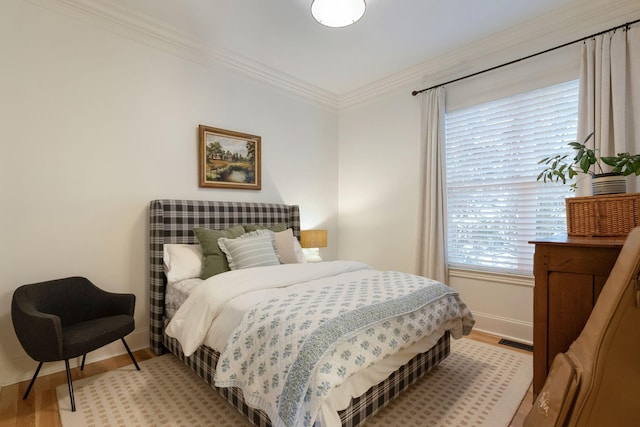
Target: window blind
(495,206)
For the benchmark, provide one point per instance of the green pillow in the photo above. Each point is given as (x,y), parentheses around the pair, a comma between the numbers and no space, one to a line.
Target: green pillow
(214,260)
(275,228)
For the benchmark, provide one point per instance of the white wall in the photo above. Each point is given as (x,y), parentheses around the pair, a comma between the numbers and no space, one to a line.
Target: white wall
(94,125)
(379,170)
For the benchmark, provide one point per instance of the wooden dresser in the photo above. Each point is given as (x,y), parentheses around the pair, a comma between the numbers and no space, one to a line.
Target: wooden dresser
(569,275)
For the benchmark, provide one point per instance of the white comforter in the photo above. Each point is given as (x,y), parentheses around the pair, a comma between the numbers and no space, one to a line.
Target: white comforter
(191,323)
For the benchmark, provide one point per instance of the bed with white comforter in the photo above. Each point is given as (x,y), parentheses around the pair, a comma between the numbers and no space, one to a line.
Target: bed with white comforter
(322,344)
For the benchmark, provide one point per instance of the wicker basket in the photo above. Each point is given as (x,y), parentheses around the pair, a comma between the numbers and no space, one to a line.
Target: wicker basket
(611,215)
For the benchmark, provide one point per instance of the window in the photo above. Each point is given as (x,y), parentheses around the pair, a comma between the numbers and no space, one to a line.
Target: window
(495,205)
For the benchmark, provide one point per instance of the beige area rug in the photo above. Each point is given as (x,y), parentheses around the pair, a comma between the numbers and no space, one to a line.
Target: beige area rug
(477,385)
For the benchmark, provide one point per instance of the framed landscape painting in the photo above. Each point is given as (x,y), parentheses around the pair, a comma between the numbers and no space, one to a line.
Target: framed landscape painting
(229,159)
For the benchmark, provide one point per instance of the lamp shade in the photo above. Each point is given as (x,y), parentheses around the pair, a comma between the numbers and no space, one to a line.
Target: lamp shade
(313,238)
(337,13)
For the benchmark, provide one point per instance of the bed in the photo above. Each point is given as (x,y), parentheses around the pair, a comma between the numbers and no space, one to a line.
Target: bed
(173,221)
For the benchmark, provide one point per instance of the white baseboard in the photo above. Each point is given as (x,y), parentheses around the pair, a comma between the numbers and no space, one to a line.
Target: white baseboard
(22,368)
(512,329)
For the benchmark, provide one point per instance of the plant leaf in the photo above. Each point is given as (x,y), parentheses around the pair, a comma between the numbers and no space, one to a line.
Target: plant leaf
(587,138)
(585,164)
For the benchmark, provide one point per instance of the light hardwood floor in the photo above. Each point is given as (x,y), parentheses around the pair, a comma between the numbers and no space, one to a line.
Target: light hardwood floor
(40,409)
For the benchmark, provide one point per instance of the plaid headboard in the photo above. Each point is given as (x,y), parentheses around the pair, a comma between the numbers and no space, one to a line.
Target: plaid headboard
(172,221)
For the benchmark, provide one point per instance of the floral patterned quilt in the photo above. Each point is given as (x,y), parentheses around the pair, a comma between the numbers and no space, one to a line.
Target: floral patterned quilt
(290,351)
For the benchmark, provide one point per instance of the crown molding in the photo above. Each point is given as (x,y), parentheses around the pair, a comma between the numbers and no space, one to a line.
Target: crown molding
(143,29)
(521,40)
(524,39)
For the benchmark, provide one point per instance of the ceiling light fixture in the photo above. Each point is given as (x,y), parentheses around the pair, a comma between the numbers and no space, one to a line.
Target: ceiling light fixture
(337,13)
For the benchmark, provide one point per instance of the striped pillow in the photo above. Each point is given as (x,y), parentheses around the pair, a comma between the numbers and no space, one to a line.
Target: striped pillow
(255,249)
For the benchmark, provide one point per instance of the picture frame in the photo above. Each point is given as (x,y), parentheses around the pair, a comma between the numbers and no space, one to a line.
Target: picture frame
(229,159)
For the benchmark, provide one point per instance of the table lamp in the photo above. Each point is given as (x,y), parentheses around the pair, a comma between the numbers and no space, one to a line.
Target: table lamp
(311,241)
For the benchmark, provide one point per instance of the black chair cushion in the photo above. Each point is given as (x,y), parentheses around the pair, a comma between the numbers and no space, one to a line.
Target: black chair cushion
(83,337)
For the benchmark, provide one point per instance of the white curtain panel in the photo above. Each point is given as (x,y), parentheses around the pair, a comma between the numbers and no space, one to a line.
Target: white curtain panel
(609,102)
(432,243)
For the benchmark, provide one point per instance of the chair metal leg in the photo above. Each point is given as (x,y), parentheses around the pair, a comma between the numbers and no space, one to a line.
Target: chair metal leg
(26,393)
(84,356)
(130,354)
(70,384)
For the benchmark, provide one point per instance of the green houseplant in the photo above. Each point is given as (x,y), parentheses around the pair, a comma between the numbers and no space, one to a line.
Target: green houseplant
(588,161)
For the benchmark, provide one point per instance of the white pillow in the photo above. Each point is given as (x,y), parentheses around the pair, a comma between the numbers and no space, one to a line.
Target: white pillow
(289,248)
(255,249)
(182,261)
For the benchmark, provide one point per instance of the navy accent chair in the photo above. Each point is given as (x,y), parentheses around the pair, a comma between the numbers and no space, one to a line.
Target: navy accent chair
(65,318)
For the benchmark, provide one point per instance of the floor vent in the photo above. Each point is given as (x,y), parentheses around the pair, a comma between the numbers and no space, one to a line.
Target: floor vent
(516,344)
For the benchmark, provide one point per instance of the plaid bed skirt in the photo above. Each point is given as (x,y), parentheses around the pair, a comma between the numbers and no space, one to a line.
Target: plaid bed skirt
(205,359)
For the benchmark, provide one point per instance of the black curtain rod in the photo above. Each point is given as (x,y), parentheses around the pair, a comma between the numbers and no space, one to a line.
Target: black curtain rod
(627,25)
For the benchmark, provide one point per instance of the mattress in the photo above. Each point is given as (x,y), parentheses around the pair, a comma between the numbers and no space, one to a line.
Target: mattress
(177,294)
